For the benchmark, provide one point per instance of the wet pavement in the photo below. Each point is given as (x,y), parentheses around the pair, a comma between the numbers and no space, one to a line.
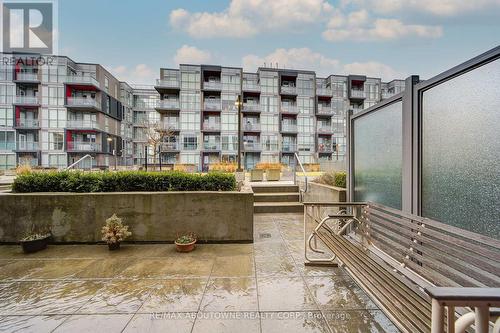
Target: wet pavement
(260,287)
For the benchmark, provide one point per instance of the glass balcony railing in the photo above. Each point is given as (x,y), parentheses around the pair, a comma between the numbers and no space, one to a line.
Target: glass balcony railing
(83,146)
(26,100)
(251,86)
(211,126)
(270,146)
(82,124)
(289,147)
(251,107)
(27,77)
(170,125)
(327,129)
(289,128)
(251,126)
(325,148)
(323,91)
(211,146)
(358,93)
(212,104)
(83,102)
(82,80)
(325,109)
(170,83)
(168,104)
(289,108)
(253,145)
(212,85)
(169,146)
(7,145)
(27,123)
(28,146)
(288,90)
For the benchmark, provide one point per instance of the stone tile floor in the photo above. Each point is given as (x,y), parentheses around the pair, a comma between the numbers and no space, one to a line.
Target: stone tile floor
(260,287)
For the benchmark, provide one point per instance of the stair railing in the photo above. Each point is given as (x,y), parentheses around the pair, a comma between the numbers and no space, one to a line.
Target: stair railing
(81,159)
(302,191)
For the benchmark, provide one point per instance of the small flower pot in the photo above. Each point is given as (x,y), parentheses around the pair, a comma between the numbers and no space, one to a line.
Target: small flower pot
(114,246)
(256,175)
(187,247)
(35,245)
(273,174)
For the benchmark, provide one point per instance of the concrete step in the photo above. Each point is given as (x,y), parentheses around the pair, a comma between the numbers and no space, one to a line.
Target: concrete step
(278,207)
(5,187)
(276,197)
(275,189)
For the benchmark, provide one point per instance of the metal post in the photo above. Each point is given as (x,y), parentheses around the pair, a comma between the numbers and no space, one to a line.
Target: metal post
(239,102)
(482,318)
(115,153)
(146,157)
(159,154)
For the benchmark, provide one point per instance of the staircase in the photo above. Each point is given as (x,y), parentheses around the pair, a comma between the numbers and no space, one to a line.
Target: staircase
(277,199)
(5,187)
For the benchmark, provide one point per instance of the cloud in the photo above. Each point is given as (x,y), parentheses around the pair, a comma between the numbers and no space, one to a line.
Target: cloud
(379,30)
(192,55)
(140,74)
(247,18)
(305,58)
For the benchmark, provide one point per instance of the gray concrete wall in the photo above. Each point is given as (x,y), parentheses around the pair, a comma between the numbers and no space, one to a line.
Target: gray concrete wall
(152,216)
(323,193)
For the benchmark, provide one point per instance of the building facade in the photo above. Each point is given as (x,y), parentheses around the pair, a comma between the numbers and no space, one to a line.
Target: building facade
(53,114)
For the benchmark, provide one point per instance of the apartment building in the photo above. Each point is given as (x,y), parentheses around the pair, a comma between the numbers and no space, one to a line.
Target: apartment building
(52,115)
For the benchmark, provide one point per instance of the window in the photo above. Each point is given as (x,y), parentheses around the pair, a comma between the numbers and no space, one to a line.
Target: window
(190,142)
(305,105)
(230,142)
(57,161)
(231,82)
(269,123)
(190,80)
(305,142)
(269,104)
(57,118)
(228,102)
(190,121)
(7,141)
(106,84)
(269,85)
(190,159)
(56,141)
(229,121)
(6,94)
(7,161)
(305,125)
(6,117)
(190,101)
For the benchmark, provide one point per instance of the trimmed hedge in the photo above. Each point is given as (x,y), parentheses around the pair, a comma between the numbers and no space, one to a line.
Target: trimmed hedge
(124,181)
(332,178)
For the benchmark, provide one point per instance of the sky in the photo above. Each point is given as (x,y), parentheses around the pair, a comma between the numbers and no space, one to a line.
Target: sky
(380,38)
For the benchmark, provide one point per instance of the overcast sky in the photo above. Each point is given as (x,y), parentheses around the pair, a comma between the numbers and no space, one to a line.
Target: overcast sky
(382,38)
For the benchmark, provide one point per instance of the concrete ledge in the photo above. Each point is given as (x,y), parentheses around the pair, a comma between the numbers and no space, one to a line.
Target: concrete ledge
(324,193)
(152,216)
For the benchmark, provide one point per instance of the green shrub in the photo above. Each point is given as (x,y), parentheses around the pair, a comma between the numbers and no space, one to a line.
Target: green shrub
(337,179)
(124,181)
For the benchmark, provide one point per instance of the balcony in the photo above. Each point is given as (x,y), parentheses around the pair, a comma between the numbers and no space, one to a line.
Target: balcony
(211,126)
(386,95)
(212,104)
(83,103)
(325,148)
(252,146)
(324,92)
(7,145)
(289,147)
(28,146)
(359,94)
(82,80)
(168,84)
(324,129)
(27,100)
(288,128)
(251,127)
(211,146)
(289,108)
(27,77)
(325,110)
(169,146)
(170,125)
(270,146)
(251,86)
(251,107)
(82,124)
(27,123)
(168,104)
(83,146)
(287,90)
(212,85)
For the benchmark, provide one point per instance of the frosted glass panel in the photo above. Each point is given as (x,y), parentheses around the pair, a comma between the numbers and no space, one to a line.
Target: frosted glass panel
(378,156)
(461,151)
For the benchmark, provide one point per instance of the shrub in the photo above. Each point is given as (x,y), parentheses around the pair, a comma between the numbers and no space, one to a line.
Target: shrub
(114,231)
(122,181)
(332,179)
(23,169)
(223,166)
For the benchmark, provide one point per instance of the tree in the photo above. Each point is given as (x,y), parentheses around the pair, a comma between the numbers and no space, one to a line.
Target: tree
(158,134)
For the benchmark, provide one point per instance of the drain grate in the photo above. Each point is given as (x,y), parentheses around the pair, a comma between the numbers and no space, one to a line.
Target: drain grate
(264,235)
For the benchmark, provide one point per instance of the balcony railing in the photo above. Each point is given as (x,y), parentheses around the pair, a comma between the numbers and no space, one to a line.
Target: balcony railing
(288,90)
(358,93)
(327,129)
(324,109)
(287,108)
(289,128)
(168,104)
(323,92)
(211,146)
(386,95)
(83,146)
(28,146)
(325,148)
(248,86)
(83,80)
(251,126)
(212,104)
(26,100)
(27,123)
(162,83)
(212,85)
(251,107)
(27,77)
(289,147)
(82,102)
(9,145)
(270,146)
(211,126)
(252,146)
(82,124)
(169,146)
(170,125)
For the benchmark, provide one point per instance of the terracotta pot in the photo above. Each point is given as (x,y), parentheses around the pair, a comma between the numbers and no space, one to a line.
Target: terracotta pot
(114,246)
(188,247)
(35,245)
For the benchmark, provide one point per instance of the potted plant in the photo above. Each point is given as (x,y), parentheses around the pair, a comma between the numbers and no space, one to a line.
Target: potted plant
(256,175)
(114,232)
(35,241)
(185,243)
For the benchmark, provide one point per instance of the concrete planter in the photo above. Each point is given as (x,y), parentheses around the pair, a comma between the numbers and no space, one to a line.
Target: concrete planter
(323,193)
(273,174)
(151,216)
(256,175)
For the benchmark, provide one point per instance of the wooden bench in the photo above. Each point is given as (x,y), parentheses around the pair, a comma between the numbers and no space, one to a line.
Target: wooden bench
(396,256)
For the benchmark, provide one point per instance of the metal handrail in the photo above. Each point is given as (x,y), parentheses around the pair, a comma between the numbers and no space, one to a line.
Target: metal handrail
(81,159)
(305,176)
